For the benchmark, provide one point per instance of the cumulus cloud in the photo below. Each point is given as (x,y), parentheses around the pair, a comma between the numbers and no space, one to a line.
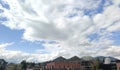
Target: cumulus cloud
(65,22)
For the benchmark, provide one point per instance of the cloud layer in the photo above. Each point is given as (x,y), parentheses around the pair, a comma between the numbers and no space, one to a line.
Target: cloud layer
(67,22)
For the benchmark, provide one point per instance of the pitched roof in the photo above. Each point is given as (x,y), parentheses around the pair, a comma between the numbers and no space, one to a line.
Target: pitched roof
(60,59)
(74,58)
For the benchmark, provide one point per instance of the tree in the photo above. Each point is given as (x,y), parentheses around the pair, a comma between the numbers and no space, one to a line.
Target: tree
(3,64)
(96,65)
(23,65)
(32,64)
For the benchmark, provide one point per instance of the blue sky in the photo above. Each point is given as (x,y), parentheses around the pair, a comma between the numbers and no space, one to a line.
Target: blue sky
(46,30)
(115,37)
(15,36)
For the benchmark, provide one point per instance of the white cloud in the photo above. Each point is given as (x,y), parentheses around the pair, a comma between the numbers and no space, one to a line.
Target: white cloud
(50,20)
(3,45)
(114,27)
(18,56)
(113,50)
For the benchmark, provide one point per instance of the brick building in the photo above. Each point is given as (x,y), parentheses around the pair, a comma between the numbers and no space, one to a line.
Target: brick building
(62,64)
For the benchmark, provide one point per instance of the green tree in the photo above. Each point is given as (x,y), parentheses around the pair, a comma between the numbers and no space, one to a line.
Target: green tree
(32,64)
(23,65)
(3,64)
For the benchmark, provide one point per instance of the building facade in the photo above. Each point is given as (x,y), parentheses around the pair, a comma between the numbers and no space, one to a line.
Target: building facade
(108,65)
(63,66)
(61,63)
(87,65)
(118,65)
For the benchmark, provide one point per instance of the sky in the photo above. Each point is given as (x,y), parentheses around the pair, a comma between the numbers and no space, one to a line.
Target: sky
(41,30)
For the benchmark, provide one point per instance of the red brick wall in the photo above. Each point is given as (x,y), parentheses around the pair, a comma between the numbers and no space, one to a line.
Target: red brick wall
(63,65)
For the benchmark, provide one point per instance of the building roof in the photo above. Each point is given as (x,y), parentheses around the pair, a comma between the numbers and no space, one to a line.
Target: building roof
(59,59)
(74,58)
